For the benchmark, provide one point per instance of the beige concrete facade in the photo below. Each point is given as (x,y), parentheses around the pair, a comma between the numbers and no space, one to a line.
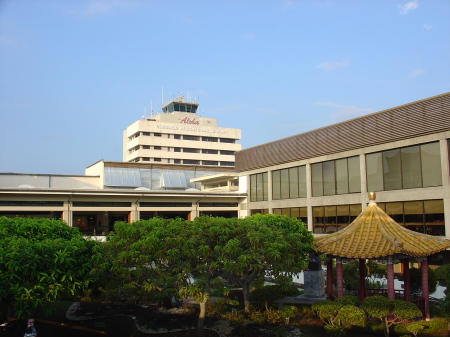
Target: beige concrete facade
(180,138)
(328,145)
(424,193)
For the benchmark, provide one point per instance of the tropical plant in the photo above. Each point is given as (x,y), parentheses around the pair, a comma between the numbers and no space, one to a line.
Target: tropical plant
(41,261)
(262,245)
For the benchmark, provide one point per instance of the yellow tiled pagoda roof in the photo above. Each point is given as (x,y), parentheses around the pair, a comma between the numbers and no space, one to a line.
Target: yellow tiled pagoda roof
(375,234)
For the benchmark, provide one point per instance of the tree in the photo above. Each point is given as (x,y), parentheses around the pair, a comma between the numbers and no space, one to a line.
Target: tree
(141,261)
(164,257)
(152,256)
(266,245)
(390,311)
(41,260)
(210,236)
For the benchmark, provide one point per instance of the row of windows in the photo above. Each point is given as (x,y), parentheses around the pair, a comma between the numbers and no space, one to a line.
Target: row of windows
(185,161)
(289,183)
(205,139)
(116,204)
(407,167)
(424,216)
(259,187)
(184,137)
(402,168)
(332,177)
(188,150)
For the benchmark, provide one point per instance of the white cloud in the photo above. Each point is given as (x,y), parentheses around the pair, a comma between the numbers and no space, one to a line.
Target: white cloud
(427,26)
(332,65)
(344,112)
(409,6)
(418,72)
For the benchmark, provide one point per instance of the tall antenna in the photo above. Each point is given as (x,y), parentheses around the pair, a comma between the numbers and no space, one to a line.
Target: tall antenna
(162,96)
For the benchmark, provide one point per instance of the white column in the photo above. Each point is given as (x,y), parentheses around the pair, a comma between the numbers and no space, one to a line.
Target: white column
(362,173)
(269,191)
(308,198)
(445,183)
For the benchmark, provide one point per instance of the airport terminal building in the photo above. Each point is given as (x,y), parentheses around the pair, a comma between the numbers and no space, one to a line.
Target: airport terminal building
(178,135)
(323,176)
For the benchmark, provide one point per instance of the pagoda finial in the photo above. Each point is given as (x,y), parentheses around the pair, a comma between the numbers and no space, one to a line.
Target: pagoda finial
(372,197)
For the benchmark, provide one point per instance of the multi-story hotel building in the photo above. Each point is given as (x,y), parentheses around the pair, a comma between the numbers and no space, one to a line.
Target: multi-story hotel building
(179,136)
(323,176)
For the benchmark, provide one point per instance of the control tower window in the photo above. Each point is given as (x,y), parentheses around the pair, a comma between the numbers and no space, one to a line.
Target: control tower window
(180,107)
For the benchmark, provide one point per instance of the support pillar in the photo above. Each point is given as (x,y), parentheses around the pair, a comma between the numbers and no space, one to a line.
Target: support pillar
(390,279)
(329,278)
(339,277)
(362,279)
(406,280)
(425,289)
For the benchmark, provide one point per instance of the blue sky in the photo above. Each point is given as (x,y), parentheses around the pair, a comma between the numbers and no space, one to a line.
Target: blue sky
(75,74)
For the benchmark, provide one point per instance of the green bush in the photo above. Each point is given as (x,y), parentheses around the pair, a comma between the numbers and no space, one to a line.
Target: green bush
(219,307)
(349,300)
(258,317)
(220,292)
(443,273)
(435,326)
(376,306)
(327,310)
(411,327)
(288,311)
(236,316)
(349,316)
(405,311)
(273,292)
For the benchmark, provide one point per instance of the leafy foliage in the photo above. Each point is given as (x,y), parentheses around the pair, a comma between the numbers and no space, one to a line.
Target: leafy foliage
(349,300)
(443,273)
(350,315)
(390,311)
(423,327)
(377,306)
(263,245)
(416,280)
(41,260)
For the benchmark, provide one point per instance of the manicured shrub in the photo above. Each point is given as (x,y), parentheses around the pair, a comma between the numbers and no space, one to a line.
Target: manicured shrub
(435,326)
(273,292)
(411,327)
(377,306)
(349,316)
(326,310)
(405,311)
(349,300)
(288,311)
(390,312)
(428,327)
